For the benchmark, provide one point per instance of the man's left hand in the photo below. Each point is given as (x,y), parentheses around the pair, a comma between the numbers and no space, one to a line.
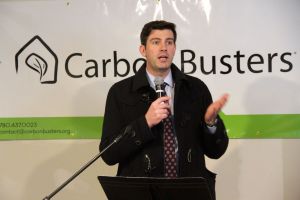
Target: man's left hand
(213,110)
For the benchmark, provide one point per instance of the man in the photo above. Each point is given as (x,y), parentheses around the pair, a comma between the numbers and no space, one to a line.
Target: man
(134,111)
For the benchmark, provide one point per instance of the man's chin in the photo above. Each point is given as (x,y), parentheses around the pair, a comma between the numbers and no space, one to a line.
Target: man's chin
(163,68)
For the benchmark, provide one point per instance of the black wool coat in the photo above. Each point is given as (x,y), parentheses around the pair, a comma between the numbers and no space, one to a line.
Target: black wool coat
(140,153)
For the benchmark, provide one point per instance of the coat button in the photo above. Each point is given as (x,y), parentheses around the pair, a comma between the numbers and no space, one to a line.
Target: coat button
(145,97)
(138,142)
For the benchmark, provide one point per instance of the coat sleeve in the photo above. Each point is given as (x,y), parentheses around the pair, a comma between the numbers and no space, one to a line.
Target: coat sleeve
(134,135)
(214,144)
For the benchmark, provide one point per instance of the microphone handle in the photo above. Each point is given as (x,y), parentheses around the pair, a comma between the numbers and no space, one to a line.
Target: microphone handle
(82,169)
(160,90)
(160,93)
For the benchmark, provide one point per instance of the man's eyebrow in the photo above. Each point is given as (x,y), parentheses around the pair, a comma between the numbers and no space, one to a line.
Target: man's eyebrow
(160,39)
(171,39)
(155,39)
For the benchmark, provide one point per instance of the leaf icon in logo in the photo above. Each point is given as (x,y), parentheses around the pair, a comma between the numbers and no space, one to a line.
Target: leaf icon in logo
(37,63)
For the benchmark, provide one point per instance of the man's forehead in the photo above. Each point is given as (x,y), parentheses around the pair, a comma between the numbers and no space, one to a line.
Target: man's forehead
(164,33)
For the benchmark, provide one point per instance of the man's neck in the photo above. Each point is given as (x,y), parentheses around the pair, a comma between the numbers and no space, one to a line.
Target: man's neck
(168,79)
(160,73)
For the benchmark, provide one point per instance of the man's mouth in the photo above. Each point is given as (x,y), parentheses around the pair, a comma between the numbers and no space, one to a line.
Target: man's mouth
(163,58)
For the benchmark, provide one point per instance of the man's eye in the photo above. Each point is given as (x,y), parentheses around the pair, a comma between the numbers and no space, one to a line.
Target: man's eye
(155,42)
(170,42)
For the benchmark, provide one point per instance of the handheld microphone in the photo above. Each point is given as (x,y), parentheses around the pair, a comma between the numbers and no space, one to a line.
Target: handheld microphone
(159,86)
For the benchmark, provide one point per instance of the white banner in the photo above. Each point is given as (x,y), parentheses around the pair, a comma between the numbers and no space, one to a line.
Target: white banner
(59,58)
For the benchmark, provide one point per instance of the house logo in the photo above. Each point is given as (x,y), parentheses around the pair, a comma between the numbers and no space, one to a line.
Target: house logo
(36,56)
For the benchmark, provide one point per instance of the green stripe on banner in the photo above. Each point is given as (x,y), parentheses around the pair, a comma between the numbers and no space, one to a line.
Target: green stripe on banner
(263,125)
(50,128)
(238,126)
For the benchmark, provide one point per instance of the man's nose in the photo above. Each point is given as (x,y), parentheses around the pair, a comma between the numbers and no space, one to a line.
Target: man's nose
(163,46)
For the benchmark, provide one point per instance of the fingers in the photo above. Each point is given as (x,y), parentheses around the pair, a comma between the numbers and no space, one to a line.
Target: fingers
(160,100)
(158,110)
(213,110)
(223,100)
(219,104)
(161,106)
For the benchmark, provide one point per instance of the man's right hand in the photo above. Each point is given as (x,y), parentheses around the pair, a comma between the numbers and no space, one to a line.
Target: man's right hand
(158,110)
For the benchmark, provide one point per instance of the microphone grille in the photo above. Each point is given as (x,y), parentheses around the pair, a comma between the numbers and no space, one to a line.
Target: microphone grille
(158,80)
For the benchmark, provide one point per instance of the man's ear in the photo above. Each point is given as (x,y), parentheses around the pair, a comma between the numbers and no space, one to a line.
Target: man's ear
(143,50)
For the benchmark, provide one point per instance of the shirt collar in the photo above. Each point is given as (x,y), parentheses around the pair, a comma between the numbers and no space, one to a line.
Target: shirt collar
(168,79)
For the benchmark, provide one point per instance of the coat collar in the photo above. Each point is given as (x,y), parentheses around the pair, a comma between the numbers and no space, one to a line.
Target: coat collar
(140,79)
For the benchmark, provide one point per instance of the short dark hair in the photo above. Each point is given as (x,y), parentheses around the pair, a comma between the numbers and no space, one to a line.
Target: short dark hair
(156,25)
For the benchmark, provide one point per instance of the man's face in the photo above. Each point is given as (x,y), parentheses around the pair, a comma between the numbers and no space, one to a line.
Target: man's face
(159,51)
